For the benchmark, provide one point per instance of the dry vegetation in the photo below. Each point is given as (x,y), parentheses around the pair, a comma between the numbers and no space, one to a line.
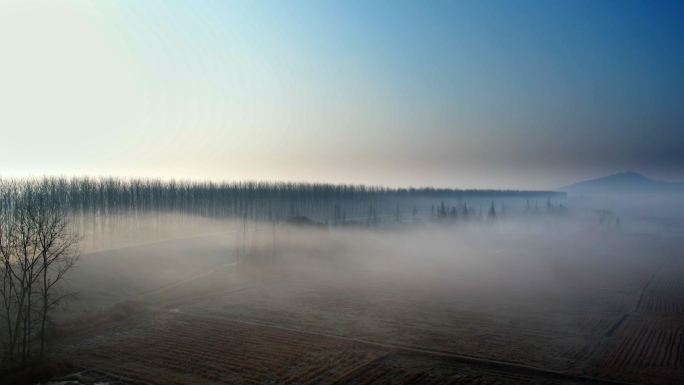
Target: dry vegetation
(186,349)
(495,317)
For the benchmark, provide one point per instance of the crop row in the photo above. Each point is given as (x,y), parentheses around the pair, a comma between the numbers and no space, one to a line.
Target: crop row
(230,352)
(611,302)
(379,373)
(386,373)
(643,345)
(670,284)
(664,305)
(594,324)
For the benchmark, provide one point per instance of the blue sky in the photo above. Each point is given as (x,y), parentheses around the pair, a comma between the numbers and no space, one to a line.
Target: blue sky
(472,94)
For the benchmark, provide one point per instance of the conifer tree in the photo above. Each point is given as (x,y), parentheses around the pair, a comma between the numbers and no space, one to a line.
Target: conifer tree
(491,215)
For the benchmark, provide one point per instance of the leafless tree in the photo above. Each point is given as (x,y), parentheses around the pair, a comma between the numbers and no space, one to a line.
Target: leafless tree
(37,250)
(59,253)
(20,260)
(132,210)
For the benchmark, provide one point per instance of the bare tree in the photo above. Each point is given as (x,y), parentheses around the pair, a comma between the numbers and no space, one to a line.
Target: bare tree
(20,260)
(58,255)
(37,250)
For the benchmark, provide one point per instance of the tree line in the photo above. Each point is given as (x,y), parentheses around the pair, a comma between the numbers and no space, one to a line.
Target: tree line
(110,205)
(108,210)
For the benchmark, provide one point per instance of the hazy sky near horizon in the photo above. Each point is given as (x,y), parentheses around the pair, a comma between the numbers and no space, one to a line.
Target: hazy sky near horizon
(466,94)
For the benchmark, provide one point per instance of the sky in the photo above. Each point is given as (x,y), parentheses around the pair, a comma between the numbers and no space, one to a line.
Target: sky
(461,94)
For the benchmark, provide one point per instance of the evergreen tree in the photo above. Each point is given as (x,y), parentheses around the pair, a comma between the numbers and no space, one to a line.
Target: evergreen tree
(491,216)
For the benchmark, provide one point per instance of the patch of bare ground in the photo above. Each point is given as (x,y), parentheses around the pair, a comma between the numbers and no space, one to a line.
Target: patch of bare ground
(178,348)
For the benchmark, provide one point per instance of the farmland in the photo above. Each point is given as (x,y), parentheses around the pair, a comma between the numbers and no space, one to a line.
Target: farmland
(184,349)
(650,341)
(426,321)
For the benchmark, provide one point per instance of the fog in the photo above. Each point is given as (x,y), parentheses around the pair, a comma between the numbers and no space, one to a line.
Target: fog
(519,253)
(513,256)
(556,286)
(661,213)
(346,192)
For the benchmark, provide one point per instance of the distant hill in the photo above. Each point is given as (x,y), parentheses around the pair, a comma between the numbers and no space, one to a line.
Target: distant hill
(624,182)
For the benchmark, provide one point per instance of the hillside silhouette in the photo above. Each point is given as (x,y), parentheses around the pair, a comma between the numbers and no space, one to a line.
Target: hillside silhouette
(624,182)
